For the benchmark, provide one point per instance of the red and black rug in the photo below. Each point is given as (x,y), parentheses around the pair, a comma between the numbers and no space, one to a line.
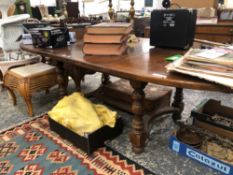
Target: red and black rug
(32,149)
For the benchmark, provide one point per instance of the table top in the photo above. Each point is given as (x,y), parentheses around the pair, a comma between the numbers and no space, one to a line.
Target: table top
(141,62)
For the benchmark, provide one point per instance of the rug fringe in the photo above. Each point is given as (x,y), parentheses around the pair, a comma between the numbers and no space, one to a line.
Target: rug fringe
(25,121)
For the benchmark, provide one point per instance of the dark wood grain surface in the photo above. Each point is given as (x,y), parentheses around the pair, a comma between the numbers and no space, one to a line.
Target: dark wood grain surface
(141,62)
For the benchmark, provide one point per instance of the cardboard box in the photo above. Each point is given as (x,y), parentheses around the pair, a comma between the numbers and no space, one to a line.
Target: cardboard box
(89,143)
(205,117)
(199,156)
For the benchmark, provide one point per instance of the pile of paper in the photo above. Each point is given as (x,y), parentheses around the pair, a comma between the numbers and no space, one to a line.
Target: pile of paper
(214,64)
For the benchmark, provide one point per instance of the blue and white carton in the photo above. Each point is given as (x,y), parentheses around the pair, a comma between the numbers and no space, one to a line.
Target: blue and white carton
(199,156)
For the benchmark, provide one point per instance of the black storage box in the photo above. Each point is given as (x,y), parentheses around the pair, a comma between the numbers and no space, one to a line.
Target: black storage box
(50,37)
(173,28)
(211,115)
(90,142)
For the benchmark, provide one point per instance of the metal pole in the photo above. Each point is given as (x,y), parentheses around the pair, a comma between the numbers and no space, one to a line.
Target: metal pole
(110,11)
(132,10)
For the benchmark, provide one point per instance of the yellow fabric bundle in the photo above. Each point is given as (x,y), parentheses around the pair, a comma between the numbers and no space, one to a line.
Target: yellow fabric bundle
(107,116)
(80,115)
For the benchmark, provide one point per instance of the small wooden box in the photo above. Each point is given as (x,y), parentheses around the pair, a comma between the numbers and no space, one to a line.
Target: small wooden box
(90,142)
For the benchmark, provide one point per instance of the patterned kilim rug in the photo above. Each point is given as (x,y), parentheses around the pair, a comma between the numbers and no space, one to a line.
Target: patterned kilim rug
(32,149)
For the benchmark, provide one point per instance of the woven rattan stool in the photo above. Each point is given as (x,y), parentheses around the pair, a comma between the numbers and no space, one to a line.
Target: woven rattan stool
(29,79)
(6,65)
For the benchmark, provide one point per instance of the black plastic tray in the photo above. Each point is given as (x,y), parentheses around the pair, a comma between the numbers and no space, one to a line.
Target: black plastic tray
(90,142)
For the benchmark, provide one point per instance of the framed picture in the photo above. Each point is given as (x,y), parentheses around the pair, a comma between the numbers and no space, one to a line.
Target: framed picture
(21,7)
(148,3)
(72,9)
(225,15)
(122,16)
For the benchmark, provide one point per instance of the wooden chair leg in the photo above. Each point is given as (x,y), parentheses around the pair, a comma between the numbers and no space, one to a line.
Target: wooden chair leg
(12,95)
(27,98)
(29,105)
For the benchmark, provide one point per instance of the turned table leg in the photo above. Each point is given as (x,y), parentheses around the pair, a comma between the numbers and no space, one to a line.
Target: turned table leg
(77,79)
(105,79)
(138,134)
(62,79)
(43,59)
(178,103)
(77,75)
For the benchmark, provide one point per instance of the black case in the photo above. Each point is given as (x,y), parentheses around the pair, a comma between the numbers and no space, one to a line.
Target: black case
(173,28)
(49,37)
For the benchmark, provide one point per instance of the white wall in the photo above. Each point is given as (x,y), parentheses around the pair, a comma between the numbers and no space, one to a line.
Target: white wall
(44,2)
(229,3)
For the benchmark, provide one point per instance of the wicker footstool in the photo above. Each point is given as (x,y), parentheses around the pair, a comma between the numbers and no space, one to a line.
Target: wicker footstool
(29,79)
(6,65)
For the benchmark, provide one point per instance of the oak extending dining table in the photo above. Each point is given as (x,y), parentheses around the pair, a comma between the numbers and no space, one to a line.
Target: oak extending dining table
(140,65)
